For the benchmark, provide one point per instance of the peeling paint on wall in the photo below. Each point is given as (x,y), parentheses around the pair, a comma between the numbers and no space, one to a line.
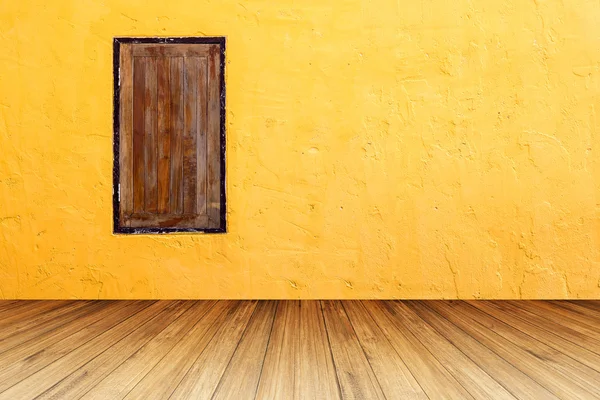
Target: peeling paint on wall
(375,149)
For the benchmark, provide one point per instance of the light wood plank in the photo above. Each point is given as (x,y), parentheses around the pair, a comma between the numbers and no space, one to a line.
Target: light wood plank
(395,379)
(29,357)
(240,379)
(540,365)
(22,331)
(280,370)
(31,376)
(513,379)
(583,323)
(355,375)
(169,345)
(88,375)
(435,380)
(201,358)
(317,377)
(557,336)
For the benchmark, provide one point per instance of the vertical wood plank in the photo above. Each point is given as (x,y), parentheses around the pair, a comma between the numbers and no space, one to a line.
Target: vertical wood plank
(125,131)
(396,380)
(317,377)
(240,379)
(151,144)
(190,132)
(202,129)
(356,378)
(139,84)
(164,137)
(204,375)
(214,138)
(177,91)
(278,379)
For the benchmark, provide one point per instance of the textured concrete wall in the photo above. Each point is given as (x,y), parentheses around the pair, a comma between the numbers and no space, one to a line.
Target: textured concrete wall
(378,148)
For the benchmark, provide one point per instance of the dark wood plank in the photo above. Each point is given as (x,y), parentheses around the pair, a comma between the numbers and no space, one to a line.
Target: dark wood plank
(395,379)
(88,375)
(280,370)
(240,378)
(513,379)
(190,134)
(176,119)
(125,131)
(355,376)
(167,220)
(197,362)
(173,347)
(214,138)
(151,136)
(202,171)
(170,50)
(540,365)
(164,136)
(139,125)
(435,380)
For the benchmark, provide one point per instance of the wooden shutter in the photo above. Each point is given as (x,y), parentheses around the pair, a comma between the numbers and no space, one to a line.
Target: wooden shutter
(170,153)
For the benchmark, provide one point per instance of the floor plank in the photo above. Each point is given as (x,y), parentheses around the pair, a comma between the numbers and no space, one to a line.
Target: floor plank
(535,364)
(395,379)
(280,370)
(355,375)
(241,376)
(204,375)
(433,377)
(126,376)
(299,349)
(513,379)
(84,378)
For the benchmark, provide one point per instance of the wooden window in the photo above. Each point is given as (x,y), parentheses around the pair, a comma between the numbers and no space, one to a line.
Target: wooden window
(169,135)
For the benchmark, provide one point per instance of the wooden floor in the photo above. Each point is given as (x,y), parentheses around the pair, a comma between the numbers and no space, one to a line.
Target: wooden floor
(299,349)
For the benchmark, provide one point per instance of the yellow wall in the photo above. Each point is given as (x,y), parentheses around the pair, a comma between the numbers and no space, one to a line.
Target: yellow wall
(378,148)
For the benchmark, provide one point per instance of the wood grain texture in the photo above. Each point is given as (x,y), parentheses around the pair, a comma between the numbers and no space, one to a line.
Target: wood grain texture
(151,137)
(164,134)
(139,135)
(214,138)
(125,131)
(517,382)
(240,378)
(177,92)
(295,350)
(355,375)
(433,377)
(396,380)
(190,134)
(170,153)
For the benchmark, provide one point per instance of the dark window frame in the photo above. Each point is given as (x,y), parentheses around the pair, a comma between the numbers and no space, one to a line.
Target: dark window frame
(117,41)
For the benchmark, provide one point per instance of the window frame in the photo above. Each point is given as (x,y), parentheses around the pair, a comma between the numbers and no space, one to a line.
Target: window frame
(117,41)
